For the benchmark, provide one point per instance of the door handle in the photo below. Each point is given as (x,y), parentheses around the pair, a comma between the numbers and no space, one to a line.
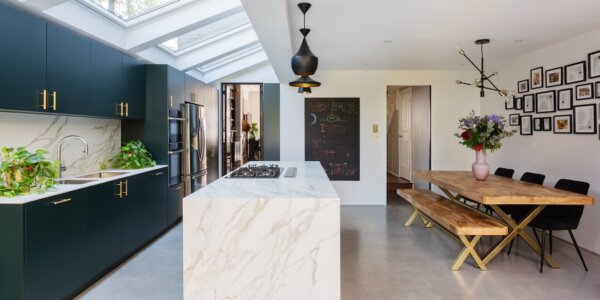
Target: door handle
(157,173)
(54,101)
(171,101)
(126,188)
(44,100)
(127,109)
(59,202)
(120,194)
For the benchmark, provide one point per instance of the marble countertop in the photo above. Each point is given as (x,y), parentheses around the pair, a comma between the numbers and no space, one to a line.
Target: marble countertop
(65,188)
(310,182)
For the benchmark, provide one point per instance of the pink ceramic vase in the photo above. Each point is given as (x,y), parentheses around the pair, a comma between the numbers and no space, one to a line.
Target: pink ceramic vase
(481,169)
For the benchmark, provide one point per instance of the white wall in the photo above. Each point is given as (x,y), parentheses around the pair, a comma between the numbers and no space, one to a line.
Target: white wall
(449,102)
(555,155)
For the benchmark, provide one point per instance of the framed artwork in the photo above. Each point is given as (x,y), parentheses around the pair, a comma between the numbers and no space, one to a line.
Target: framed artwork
(537,78)
(547,124)
(584,91)
(526,123)
(518,103)
(554,77)
(562,124)
(537,124)
(528,104)
(597,84)
(510,104)
(523,86)
(513,119)
(584,118)
(594,64)
(545,102)
(575,72)
(565,99)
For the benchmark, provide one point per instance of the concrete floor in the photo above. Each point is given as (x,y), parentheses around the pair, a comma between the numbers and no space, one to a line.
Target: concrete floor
(382,259)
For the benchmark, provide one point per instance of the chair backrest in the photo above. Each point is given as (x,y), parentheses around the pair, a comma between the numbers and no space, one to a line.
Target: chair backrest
(567,214)
(533,178)
(504,172)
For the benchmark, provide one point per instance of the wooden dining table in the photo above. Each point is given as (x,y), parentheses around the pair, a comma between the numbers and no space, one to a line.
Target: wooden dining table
(496,192)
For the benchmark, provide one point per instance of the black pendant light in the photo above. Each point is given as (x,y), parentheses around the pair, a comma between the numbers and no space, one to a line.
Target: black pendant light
(304,62)
(304,90)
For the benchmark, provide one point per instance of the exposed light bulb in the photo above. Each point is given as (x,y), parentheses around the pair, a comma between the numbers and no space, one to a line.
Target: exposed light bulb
(461,51)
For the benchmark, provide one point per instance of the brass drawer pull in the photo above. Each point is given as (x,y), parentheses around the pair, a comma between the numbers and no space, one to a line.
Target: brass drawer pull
(45,100)
(120,194)
(127,109)
(157,174)
(126,188)
(59,202)
(54,101)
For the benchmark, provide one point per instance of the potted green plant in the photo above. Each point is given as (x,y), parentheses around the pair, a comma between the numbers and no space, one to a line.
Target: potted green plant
(23,172)
(132,155)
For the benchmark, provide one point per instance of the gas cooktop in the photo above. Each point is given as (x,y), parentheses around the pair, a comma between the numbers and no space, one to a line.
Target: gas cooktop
(257,171)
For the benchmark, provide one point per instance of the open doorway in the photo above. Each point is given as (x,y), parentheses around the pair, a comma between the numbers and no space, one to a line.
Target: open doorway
(408,136)
(241,123)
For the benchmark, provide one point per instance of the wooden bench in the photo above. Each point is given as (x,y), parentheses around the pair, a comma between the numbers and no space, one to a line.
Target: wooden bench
(455,218)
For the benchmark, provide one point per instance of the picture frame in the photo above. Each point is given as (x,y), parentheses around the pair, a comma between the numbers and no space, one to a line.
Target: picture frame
(514,119)
(518,103)
(584,91)
(526,123)
(554,77)
(584,119)
(509,104)
(565,99)
(528,103)
(575,72)
(536,77)
(547,124)
(594,64)
(563,124)
(597,93)
(523,86)
(537,124)
(545,102)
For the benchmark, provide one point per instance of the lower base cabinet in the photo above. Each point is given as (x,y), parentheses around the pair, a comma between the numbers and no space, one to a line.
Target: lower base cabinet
(175,203)
(54,248)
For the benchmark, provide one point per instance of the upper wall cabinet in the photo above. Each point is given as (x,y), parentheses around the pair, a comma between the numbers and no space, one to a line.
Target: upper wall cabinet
(23,60)
(106,95)
(68,72)
(194,90)
(175,87)
(134,87)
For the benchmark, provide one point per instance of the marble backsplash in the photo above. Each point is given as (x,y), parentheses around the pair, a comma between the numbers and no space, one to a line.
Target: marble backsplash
(44,132)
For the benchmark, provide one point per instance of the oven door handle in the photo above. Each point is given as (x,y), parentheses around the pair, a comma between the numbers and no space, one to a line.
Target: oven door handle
(176,151)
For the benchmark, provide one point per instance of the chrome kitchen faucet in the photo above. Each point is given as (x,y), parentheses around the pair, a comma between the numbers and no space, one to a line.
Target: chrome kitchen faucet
(59,151)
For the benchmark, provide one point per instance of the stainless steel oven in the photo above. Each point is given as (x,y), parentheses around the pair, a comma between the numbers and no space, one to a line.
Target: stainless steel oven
(176,147)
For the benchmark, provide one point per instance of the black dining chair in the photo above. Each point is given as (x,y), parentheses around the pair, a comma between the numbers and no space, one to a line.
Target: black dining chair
(504,172)
(561,217)
(518,211)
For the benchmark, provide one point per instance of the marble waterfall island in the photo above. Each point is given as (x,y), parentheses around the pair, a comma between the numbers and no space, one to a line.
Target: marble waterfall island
(263,238)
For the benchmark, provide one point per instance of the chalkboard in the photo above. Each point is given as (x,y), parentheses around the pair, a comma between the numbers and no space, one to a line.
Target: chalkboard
(332,135)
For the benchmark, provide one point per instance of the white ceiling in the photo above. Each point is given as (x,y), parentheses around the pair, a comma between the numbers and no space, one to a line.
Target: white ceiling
(218,39)
(352,34)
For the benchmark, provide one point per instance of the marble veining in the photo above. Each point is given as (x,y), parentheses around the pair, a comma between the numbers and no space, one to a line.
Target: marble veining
(263,238)
(36,131)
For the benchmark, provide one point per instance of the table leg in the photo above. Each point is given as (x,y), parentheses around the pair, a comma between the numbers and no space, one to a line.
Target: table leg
(414,215)
(469,249)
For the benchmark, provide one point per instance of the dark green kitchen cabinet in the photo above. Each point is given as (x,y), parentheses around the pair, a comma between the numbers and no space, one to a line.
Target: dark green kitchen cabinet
(103,227)
(106,82)
(23,60)
(175,87)
(134,87)
(68,71)
(175,203)
(193,90)
(155,195)
(55,242)
(133,213)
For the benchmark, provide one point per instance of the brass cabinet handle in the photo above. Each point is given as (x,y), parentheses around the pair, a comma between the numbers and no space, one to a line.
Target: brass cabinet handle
(120,194)
(45,100)
(171,101)
(126,188)
(54,101)
(59,202)
(157,173)
(127,109)
(118,109)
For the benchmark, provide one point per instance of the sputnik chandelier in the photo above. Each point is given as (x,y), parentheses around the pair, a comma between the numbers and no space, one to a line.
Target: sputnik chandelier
(481,82)
(304,63)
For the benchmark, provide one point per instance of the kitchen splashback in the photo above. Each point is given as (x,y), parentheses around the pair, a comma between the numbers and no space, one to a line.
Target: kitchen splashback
(44,132)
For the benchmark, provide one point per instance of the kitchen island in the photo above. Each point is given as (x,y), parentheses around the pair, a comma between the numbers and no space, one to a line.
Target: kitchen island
(263,238)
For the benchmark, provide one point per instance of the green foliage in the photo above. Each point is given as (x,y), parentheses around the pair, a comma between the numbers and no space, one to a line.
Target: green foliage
(133,155)
(483,133)
(253,131)
(23,172)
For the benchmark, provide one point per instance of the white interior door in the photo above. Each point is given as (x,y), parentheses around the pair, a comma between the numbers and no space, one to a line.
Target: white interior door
(404,128)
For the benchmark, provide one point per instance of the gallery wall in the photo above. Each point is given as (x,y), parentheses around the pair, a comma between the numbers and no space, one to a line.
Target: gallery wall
(574,156)
(449,102)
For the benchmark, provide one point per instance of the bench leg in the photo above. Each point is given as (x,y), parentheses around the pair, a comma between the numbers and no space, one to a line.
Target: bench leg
(414,215)
(469,249)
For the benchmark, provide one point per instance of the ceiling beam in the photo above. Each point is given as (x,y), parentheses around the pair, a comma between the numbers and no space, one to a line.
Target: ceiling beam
(216,49)
(179,21)
(41,5)
(235,66)
(157,56)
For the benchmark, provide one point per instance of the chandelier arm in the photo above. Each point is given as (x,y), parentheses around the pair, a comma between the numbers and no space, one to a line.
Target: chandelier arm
(472,63)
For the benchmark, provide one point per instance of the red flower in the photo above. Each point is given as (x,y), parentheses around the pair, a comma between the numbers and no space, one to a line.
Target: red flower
(478,147)
(466,135)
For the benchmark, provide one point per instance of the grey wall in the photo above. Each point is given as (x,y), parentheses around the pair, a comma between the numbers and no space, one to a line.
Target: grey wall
(271,125)
(421,130)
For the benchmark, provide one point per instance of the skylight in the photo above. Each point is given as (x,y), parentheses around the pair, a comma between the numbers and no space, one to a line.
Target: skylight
(230,57)
(206,32)
(128,9)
